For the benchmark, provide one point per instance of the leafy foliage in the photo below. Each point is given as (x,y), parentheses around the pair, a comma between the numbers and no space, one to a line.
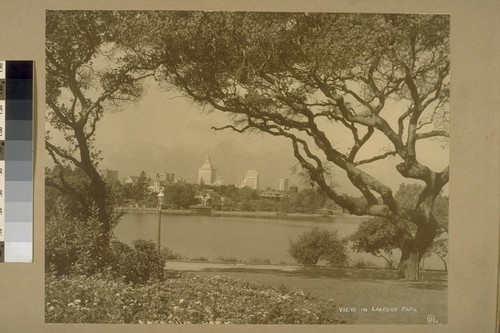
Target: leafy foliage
(188,299)
(378,237)
(440,248)
(139,264)
(307,78)
(180,195)
(407,195)
(319,244)
(85,76)
(71,245)
(328,83)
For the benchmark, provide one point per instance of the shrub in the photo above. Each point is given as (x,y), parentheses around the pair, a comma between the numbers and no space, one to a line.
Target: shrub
(71,245)
(60,252)
(361,263)
(169,254)
(258,261)
(316,244)
(199,259)
(188,299)
(224,259)
(138,264)
(378,237)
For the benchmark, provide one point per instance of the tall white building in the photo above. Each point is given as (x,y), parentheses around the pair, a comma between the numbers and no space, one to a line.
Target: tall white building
(251,180)
(282,184)
(207,173)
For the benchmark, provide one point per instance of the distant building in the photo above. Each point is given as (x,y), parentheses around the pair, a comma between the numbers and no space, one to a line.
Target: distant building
(219,181)
(180,180)
(206,174)
(293,189)
(163,177)
(273,194)
(282,184)
(130,180)
(111,175)
(154,186)
(251,180)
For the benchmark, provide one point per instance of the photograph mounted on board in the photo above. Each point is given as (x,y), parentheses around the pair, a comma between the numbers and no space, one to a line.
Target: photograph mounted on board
(246,168)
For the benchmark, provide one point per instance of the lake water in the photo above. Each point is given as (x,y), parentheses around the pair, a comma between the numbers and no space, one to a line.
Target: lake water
(241,237)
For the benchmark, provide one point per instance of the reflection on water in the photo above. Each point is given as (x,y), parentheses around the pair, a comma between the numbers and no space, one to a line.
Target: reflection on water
(241,237)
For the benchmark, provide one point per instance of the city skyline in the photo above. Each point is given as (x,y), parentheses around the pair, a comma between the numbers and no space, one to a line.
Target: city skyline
(251,178)
(182,134)
(180,138)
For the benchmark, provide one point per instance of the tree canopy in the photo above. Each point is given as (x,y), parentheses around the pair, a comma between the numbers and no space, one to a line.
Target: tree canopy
(86,74)
(311,78)
(317,80)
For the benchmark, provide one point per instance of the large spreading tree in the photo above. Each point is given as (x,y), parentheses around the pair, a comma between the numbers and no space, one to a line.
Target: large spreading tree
(318,80)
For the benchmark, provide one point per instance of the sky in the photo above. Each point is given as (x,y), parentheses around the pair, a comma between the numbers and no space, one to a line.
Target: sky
(165,132)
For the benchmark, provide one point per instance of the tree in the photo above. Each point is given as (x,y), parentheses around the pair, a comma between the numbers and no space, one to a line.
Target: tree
(180,195)
(313,79)
(319,244)
(440,248)
(85,75)
(378,237)
(307,200)
(141,187)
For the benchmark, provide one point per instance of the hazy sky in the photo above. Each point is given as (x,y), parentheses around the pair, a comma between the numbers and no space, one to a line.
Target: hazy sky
(166,132)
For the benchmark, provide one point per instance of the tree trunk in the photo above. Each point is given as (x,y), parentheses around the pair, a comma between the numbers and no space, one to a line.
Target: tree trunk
(445,264)
(408,265)
(413,249)
(98,189)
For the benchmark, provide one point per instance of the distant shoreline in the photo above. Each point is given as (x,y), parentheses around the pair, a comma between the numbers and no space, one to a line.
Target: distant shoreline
(259,214)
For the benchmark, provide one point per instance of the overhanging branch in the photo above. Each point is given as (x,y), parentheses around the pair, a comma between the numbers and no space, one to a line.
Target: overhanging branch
(376,158)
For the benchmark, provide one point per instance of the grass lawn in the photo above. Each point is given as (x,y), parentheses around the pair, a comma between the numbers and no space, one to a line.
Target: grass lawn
(357,288)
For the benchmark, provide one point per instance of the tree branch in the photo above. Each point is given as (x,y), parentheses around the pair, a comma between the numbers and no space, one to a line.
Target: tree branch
(431,134)
(376,158)
(56,150)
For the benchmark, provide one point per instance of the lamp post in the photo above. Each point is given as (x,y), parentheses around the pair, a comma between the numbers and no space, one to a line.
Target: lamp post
(160,201)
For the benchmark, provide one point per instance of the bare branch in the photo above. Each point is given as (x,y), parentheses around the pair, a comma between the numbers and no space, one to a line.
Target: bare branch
(58,151)
(401,120)
(231,127)
(376,158)
(431,134)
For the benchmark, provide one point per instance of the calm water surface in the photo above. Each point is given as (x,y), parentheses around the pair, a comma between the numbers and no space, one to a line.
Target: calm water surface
(241,237)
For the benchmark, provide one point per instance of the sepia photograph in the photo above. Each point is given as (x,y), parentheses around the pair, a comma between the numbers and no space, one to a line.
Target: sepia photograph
(239,167)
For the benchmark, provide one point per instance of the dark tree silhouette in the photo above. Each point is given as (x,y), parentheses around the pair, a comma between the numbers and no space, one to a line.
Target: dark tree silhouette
(85,75)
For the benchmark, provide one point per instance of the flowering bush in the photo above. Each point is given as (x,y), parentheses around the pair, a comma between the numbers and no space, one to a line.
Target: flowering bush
(187,299)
